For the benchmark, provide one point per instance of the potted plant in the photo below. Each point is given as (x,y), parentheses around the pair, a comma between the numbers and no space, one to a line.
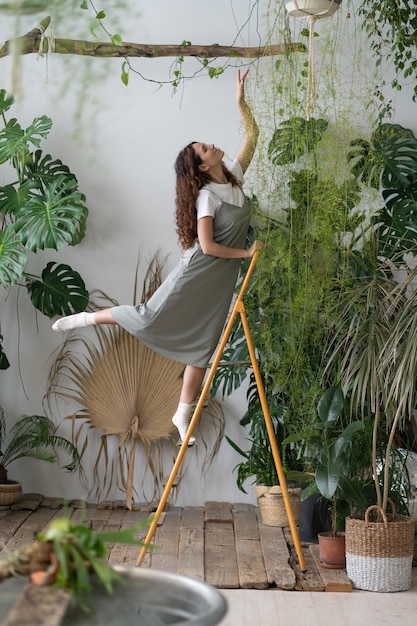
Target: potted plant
(259,462)
(373,342)
(41,207)
(35,437)
(329,442)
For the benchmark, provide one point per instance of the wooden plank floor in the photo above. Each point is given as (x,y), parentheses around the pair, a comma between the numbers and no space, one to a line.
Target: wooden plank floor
(223,544)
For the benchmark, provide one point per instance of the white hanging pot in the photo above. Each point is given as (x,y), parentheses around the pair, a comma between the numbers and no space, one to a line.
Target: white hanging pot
(311,10)
(318,8)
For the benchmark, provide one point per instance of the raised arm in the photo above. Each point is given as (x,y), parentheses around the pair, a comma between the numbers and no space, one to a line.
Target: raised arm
(250,140)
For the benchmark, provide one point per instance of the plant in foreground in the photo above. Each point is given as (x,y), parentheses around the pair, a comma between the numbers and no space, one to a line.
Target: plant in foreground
(75,554)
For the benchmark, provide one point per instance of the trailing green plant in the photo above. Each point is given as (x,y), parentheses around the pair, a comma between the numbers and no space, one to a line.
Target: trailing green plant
(292,294)
(35,437)
(40,208)
(391,26)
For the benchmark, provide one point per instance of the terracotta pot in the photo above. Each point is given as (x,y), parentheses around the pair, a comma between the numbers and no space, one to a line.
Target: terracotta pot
(271,505)
(10,493)
(332,550)
(48,576)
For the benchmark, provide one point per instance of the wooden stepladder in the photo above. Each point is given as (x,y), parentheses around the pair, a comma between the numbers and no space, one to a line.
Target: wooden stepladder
(238,308)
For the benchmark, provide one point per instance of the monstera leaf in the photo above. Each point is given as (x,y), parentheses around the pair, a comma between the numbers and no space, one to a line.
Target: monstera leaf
(14,196)
(16,141)
(389,159)
(53,219)
(295,137)
(42,169)
(61,291)
(400,147)
(6,101)
(12,257)
(398,221)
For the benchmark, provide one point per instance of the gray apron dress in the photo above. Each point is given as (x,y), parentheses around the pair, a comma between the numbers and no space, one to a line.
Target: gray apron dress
(185,317)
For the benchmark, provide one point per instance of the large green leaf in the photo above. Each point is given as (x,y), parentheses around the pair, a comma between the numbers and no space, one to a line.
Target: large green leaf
(8,199)
(342,443)
(44,170)
(15,141)
(398,221)
(295,137)
(327,479)
(388,159)
(13,196)
(61,291)
(53,220)
(330,406)
(13,258)
(6,101)
(400,148)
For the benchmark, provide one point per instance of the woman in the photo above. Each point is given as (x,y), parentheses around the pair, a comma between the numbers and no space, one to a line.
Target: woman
(184,318)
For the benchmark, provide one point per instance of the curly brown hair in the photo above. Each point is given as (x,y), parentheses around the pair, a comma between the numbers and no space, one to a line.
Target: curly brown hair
(190,179)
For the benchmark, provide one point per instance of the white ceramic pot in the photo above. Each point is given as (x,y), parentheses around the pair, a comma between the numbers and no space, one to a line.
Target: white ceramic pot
(318,8)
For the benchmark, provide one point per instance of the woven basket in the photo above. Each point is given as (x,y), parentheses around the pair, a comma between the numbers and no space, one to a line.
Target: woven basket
(10,493)
(379,554)
(272,507)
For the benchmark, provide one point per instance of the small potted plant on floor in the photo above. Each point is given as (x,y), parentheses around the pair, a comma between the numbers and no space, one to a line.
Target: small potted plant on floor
(35,437)
(259,462)
(330,441)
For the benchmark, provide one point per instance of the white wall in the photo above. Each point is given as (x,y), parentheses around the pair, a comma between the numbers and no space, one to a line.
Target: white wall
(122,151)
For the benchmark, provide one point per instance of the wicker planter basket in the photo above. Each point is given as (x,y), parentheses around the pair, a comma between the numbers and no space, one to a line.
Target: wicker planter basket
(379,554)
(10,493)
(272,507)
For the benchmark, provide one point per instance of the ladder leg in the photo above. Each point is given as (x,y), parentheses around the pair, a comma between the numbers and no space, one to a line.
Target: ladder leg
(272,439)
(192,425)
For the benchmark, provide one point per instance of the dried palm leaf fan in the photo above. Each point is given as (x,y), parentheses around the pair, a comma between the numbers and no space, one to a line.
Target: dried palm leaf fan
(123,389)
(311,10)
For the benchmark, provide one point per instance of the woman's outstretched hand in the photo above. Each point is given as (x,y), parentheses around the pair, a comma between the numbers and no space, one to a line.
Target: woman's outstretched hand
(240,87)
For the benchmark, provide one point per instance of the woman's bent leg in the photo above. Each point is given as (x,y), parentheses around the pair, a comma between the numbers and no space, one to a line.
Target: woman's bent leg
(80,320)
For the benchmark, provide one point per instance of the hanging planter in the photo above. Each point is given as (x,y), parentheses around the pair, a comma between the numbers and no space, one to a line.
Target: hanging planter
(316,8)
(311,10)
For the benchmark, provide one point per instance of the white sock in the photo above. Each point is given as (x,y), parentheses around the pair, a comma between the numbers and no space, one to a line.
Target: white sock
(78,320)
(181,420)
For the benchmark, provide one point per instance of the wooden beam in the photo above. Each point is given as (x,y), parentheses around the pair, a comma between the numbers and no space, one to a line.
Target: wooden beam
(36,41)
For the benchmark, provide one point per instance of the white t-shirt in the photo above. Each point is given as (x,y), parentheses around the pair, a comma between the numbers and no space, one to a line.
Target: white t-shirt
(211,196)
